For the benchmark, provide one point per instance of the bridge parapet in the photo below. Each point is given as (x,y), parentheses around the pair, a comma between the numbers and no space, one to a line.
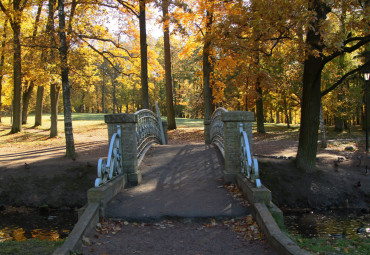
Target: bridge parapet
(231,132)
(130,136)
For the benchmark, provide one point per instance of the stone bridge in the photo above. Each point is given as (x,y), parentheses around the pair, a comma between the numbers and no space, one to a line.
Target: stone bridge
(178,181)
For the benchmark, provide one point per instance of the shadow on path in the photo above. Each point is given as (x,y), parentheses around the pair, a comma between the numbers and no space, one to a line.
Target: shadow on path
(178,181)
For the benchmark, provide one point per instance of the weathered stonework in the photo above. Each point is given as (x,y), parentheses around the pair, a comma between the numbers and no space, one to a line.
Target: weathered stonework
(127,123)
(232,121)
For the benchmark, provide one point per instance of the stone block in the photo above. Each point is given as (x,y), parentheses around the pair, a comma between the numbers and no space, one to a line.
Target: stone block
(251,192)
(120,118)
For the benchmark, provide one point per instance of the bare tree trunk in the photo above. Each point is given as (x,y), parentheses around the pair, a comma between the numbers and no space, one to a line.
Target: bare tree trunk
(39,105)
(144,57)
(311,94)
(259,111)
(207,68)
(2,61)
(324,143)
(70,147)
(167,66)
(54,97)
(286,113)
(17,68)
(26,101)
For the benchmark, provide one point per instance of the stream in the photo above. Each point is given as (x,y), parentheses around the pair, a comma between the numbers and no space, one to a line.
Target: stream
(310,224)
(21,223)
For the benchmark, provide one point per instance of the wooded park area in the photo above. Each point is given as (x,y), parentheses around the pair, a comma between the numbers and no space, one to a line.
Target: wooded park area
(282,59)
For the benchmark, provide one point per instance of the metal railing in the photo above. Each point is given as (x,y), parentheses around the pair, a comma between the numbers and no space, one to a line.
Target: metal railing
(217,130)
(249,165)
(111,168)
(149,130)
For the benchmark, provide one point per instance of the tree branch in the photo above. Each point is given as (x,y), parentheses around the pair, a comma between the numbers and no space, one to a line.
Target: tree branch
(335,85)
(110,62)
(106,40)
(129,7)
(362,41)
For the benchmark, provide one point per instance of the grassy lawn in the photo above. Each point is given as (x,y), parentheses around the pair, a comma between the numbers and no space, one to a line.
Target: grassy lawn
(358,246)
(29,247)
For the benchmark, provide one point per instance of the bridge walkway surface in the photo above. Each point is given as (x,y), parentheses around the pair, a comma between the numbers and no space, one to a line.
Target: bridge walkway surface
(179,208)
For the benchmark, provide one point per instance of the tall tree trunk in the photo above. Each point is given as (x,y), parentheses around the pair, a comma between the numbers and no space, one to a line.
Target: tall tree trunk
(103,95)
(167,67)
(26,101)
(277,117)
(286,112)
(39,105)
(143,57)
(310,112)
(54,97)
(70,147)
(2,61)
(311,94)
(113,80)
(324,142)
(259,111)
(17,68)
(207,68)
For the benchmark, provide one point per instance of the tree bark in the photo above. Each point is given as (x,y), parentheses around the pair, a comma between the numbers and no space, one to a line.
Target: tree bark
(2,61)
(54,97)
(167,67)
(311,95)
(286,112)
(17,68)
(63,50)
(259,111)
(324,142)
(207,68)
(39,105)
(143,57)
(26,101)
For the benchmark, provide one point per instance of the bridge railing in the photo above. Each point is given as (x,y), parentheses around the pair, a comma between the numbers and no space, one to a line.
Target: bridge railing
(130,136)
(231,132)
(149,130)
(217,130)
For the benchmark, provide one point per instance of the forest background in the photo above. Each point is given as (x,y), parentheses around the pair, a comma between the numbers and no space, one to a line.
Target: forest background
(285,60)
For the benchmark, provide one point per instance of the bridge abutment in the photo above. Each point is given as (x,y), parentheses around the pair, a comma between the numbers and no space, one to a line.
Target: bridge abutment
(232,121)
(127,123)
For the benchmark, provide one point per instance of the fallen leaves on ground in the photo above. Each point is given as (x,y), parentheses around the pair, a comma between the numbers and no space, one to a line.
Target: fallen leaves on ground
(185,135)
(237,194)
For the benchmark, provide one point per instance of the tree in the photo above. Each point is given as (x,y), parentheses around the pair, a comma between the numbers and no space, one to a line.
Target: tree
(2,62)
(63,50)
(14,14)
(143,56)
(167,62)
(315,61)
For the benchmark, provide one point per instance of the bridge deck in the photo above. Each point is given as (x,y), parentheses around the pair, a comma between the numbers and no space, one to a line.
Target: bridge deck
(178,181)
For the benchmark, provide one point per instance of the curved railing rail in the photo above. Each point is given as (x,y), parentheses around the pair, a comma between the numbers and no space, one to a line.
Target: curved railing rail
(111,168)
(217,129)
(249,165)
(149,130)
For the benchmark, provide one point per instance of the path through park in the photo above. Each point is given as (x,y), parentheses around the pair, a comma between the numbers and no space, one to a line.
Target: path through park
(181,207)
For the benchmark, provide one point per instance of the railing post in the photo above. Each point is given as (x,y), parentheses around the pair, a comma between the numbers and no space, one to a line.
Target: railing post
(127,123)
(207,131)
(232,121)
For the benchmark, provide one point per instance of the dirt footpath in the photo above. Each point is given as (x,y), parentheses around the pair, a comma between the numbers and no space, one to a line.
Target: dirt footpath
(172,237)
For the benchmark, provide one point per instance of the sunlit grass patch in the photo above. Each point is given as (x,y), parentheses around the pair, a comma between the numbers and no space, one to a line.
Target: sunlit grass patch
(358,245)
(29,247)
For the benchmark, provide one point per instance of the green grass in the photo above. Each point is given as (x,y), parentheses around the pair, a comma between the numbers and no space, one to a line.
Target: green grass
(29,247)
(358,245)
